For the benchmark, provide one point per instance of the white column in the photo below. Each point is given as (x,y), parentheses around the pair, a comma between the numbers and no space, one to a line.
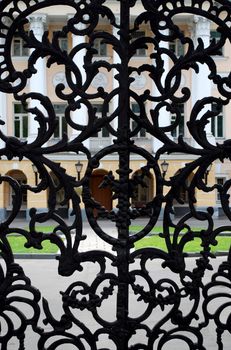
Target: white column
(115,83)
(38,80)
(201,84)
(164,115)
(79,116)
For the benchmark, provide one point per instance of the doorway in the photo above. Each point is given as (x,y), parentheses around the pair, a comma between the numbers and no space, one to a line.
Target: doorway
(101,195)
(21,178)
(62,208)
(142,194)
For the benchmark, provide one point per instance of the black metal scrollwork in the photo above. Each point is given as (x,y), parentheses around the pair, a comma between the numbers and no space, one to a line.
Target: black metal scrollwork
(163,319)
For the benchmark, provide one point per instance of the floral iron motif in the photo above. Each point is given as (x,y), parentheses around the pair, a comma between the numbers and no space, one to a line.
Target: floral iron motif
(163,319)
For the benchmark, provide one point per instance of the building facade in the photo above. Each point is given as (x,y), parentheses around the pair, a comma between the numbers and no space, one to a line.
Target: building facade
(21,123)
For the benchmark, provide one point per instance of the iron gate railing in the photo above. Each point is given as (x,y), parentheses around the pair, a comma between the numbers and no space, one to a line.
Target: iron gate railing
(162,298)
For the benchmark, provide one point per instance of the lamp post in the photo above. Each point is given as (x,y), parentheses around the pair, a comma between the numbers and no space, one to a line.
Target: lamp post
(164,168)
(35,170)
(79,167)
(207,173)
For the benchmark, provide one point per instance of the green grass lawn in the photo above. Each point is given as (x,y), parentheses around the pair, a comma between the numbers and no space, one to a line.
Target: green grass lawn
(158,229)
(17,242)
(224,243)
(194,246)
(17,246)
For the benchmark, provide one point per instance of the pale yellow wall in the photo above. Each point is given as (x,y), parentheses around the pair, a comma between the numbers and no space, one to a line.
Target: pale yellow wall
(40,200)
(37,200)
(223,64)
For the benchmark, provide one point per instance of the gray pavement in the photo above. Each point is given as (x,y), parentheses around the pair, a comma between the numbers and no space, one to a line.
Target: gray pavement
(218,221)
(44,276)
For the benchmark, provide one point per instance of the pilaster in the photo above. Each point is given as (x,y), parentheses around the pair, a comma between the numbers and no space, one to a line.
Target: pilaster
(201,85)
(79,116)
(164,115)
(38,80)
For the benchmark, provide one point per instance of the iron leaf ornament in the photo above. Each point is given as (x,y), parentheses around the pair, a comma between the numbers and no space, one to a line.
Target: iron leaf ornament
(123,274)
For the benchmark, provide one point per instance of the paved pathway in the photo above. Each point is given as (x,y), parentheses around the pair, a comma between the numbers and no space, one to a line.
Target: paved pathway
(44,275)
(50,285)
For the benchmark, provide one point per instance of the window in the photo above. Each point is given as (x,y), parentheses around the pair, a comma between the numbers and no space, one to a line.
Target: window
(63,44)
(136,110)
(220,181)
(20,121)
(179,128)
(177,47)
(18,48)
(215,36)
(140,52)
(61,38)
(61,127)
(217,122)
(101,47)
(104,131)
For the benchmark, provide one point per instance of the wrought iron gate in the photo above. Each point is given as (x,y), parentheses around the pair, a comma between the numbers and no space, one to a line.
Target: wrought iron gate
(123,273)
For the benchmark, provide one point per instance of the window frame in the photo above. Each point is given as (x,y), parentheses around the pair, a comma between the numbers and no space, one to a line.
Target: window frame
(24,51)
(60,116)
(177,47)
(103,132)
(175,133)
(23,121)
(141,52)
(62,40)
(142,133)
(215,121)
(217,38)
(99,46)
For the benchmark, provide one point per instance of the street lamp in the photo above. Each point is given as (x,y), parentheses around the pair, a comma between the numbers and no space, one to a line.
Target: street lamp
(79,167)
(35,170)
(164,168)
(207,173)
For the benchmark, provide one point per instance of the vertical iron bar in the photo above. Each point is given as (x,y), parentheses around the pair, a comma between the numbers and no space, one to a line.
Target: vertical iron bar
(123,221)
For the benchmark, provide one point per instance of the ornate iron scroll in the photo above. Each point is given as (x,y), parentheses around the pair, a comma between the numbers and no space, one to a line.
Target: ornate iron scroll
(163,320)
